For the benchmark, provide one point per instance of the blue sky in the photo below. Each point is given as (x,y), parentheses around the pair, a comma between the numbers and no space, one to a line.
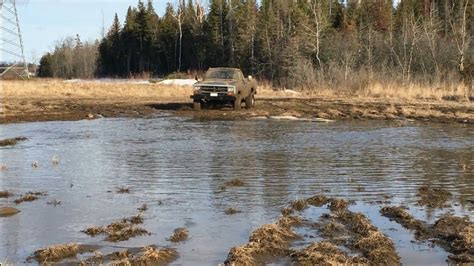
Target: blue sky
(45,21)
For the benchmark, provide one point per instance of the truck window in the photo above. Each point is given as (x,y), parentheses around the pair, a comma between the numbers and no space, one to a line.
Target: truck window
(221,74)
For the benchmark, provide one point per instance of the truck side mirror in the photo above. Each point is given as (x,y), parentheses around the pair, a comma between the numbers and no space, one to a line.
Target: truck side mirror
(196,78)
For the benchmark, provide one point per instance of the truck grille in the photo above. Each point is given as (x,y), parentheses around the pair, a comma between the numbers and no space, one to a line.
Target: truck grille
(213,89)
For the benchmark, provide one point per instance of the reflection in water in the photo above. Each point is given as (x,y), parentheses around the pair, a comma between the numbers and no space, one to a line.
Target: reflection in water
(177,167)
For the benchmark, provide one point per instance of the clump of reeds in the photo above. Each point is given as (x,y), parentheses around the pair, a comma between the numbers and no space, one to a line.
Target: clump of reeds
(231,211)
(12,141)
(5,194)
(179,234)
(318,200)
(119,231)
(299,205)
(235,182)
(338,205)
(123,190)
(56,252)
(325,253)
(30,196)
(433,197)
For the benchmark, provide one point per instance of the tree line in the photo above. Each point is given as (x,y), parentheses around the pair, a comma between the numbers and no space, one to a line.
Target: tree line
(298,43)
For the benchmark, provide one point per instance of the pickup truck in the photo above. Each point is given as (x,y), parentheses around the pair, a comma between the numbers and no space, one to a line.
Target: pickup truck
(225,85)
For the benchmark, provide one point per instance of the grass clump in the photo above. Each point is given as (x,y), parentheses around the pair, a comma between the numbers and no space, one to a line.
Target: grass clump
(433,197)
(231,211)
(11,142)
(324,253)
(299,205)
(123,190)
(5,194)
(318,200)
(57,252)
(179,234)
(338,205)
(119,231)
(30,196)
(235,182)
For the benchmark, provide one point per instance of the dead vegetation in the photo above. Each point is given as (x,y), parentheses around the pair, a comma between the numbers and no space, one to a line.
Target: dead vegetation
(11,142)
(8,211)
(5,194)
(318,200)
(455,234)
(265,243)
(235,182)
(401,216)
(54,202)
(338,205)
(231,211)
(123,190)
(433,197)
(179,234)
(325,253)
(30,196)
(299,205)
(119,231)
(143,208)
(56,253)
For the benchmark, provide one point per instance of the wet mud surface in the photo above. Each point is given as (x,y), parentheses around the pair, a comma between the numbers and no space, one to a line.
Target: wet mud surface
(29,110)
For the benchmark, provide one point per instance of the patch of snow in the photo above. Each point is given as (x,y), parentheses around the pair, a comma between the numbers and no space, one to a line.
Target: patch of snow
(108,81)
(178,82)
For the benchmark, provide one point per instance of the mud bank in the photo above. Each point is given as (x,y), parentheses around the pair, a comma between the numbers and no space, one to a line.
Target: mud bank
(304,109)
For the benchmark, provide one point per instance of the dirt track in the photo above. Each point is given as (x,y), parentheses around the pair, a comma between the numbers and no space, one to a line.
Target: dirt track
(36,109)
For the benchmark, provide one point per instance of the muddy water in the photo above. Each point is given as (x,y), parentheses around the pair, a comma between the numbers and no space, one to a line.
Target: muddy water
(177,166)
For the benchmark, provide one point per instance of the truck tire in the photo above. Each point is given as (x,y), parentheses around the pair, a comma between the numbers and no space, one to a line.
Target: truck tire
(197,105)
(250,101)
(237,104)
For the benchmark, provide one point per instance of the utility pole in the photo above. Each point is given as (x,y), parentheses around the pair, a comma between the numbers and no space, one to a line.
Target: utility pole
(11,41)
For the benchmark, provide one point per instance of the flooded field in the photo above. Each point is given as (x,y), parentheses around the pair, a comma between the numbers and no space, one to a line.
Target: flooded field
(196,189)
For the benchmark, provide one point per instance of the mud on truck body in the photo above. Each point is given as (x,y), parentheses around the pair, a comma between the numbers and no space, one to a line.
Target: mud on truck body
(225,85)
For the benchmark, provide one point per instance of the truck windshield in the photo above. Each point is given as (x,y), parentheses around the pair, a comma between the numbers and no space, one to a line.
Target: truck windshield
(221,74)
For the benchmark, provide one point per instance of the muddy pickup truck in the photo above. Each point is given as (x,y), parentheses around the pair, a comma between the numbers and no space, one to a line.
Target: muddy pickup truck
(225,85)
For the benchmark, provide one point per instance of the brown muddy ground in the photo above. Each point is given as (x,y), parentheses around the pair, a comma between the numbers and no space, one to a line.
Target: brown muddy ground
(37,109)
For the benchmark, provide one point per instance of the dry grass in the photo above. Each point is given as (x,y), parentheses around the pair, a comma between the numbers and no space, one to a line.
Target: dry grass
(57,89)
(236,182)
(57,252)
(8,211)
(325,253)
(373,90)
(231,211)
(11,142)
(318,200)
(123,190)
(179,234)
(143,208)
(30,196)
(339,205)
(433,197)
(119,231)
(270,240)
(299,205)
(5,194)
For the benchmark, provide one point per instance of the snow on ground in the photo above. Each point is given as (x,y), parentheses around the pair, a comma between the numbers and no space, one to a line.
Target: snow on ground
(178,82)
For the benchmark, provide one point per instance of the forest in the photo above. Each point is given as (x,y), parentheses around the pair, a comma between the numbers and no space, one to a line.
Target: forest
(302,44)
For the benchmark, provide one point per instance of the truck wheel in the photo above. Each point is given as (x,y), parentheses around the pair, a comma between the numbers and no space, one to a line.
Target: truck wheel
(250,101)
(237,104)
(197,105)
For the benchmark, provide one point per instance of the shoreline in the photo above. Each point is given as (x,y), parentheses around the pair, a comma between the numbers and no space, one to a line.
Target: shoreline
(39,109)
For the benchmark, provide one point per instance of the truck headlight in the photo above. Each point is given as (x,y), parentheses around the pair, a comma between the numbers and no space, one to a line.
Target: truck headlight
(196,89)
(231,89)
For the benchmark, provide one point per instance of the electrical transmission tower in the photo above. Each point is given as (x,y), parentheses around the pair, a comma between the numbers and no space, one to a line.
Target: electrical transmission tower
(11,41)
